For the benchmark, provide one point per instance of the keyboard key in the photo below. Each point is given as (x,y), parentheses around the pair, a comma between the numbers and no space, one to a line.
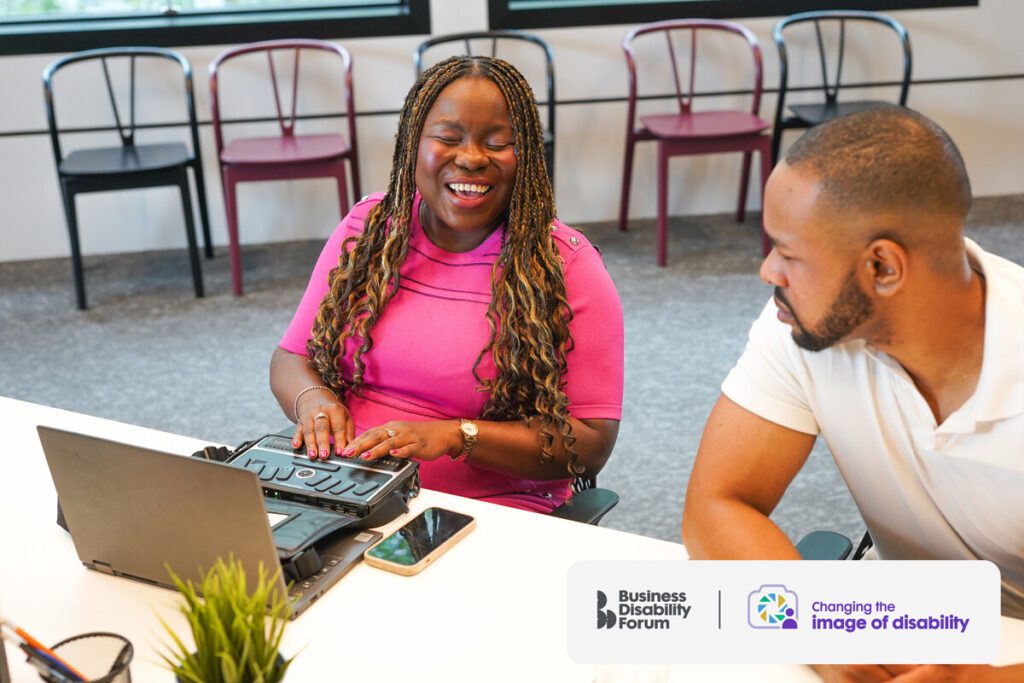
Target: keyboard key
(342,487)
(268,473)
(317,465)
(319,479)
(284,472)
(363,489)
(326,484)
(255,466)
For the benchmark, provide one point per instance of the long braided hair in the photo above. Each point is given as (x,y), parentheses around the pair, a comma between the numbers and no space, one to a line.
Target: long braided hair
(528,314)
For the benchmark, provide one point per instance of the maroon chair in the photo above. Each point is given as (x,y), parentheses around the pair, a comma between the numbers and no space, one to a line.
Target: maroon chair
(690,132)
(287,156)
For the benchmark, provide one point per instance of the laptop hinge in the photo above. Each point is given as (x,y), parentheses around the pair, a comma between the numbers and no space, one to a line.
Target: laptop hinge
(102,567)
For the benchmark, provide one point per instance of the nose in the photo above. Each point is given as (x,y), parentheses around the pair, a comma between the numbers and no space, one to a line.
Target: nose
(471,156)
(771,270)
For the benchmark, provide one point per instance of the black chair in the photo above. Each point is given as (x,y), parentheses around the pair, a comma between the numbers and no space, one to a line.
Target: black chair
(828,545)
(807,115)
(588,503)
(129,165)
(495,38)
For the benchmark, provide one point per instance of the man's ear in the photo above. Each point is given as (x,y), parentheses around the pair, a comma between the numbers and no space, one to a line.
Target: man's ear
(885,263)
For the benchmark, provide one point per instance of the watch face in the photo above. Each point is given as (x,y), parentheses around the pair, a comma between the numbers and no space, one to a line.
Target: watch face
(469,428)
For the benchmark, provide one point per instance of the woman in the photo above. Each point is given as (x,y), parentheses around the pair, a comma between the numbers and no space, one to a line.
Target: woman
(452,319)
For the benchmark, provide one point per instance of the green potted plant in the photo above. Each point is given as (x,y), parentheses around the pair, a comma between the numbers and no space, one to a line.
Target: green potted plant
(237,634)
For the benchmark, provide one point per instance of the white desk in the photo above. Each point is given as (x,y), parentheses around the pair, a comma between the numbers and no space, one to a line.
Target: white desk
(493,608)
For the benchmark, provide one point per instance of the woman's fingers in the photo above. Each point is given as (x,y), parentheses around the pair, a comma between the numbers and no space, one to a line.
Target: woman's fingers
(319,423)
(372,443)
(322,430)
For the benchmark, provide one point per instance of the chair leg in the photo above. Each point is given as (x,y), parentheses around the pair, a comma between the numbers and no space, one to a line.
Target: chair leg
(766,170)
(776,141)
(549,159)
(627,176)
(662,204)
(353,162)
(190,234)
(204,214)
(342,189)
(231,209)
(741,204)
(76,253)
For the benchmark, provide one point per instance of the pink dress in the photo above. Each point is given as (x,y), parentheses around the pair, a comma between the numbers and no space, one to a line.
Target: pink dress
(429,336)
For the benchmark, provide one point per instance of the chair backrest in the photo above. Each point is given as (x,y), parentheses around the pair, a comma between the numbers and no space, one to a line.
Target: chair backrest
(831,84)
(491,41)
(692,27)
(105,56)
(285,120)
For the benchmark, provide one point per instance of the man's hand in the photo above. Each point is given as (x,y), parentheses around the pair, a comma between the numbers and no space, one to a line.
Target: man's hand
(861,673)
(913,673)
(962,673)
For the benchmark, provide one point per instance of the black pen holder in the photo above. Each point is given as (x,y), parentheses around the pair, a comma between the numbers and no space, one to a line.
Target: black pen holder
(100,657)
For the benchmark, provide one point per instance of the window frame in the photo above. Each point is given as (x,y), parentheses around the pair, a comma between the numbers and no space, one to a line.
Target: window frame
(501,16)
(50,34)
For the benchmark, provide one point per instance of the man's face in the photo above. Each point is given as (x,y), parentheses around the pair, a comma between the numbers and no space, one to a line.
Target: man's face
(817,289)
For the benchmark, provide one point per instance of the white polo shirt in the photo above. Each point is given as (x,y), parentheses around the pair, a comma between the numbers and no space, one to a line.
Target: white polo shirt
(926,491)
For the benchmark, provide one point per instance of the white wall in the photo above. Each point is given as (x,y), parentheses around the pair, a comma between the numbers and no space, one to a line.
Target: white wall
(982,117)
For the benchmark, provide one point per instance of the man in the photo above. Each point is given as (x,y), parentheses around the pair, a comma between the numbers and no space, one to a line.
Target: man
(897,340)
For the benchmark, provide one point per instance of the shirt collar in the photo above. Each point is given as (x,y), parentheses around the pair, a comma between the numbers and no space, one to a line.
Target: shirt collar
(1000,390)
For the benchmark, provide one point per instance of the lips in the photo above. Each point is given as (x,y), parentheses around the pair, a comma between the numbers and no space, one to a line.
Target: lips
(784,313)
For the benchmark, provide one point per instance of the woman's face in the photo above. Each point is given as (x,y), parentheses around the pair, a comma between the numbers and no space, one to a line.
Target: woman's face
(466,164)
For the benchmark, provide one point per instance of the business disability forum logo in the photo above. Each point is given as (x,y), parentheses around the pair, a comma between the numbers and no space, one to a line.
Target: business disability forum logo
(642,610)
(773,607)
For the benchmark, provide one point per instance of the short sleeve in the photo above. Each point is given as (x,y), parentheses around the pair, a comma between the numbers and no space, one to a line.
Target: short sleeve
(301,328)
(767,378)
(593,379)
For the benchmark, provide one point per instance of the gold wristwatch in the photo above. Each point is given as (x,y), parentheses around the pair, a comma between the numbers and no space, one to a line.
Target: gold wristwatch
(469,432)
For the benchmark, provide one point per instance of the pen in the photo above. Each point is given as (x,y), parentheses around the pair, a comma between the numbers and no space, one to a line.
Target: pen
(47,653)
(48,668)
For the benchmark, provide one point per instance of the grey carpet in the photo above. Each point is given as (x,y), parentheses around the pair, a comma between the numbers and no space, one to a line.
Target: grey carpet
(149,353)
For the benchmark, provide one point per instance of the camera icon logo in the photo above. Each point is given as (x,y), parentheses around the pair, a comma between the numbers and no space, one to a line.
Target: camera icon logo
(772,607)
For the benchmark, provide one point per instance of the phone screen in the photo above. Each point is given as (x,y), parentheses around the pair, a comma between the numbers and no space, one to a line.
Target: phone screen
(420,536)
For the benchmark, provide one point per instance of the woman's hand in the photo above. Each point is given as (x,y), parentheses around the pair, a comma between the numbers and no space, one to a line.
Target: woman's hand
(422,440)
(320,416)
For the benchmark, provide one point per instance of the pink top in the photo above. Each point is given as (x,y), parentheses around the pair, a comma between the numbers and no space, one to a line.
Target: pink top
(430,334)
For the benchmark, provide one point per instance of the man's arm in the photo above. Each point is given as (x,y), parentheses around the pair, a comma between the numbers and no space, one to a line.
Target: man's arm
(744,465)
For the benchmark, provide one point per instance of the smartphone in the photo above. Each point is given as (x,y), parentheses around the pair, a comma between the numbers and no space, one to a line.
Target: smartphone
(420,541)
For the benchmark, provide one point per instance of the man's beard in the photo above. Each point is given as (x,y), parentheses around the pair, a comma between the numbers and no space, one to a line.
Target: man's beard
(848,310)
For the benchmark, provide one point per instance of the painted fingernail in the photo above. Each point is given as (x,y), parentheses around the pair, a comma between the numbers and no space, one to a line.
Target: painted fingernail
(323,453)
(394,451)
(312,454)
(365,456)
(295,443)
(337,450)
(349,451)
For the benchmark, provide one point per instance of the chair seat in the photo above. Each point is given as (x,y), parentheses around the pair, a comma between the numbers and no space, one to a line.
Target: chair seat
(125,160)
(705,124)
(819,113)
(296,149)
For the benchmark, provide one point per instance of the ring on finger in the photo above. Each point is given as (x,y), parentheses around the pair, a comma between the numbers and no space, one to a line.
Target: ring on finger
(391,433)
(320,416)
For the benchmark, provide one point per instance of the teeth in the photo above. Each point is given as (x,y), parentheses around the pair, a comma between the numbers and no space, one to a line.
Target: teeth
(468,187)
